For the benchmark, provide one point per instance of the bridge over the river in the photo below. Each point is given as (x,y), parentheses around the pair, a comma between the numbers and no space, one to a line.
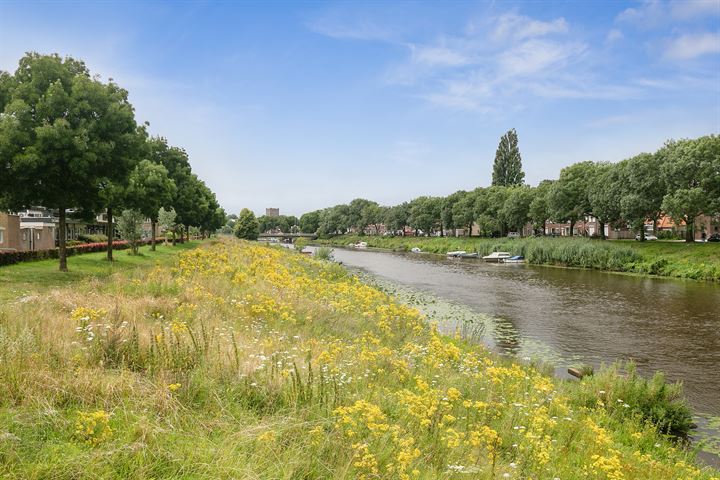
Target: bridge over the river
(288,237)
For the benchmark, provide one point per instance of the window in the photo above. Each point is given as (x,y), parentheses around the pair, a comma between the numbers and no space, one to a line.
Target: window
(37,237)
(24,236)
(2,235)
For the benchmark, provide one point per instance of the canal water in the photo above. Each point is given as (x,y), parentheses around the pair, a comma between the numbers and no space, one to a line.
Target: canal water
(579,316)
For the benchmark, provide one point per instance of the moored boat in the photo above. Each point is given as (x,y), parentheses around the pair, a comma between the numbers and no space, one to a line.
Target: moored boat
(496,257)
(515,259)
(469,255)
(456,253)
(415,250)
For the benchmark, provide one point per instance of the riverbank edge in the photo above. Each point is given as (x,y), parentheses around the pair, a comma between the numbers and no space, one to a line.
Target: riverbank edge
(706,443)
(640,263)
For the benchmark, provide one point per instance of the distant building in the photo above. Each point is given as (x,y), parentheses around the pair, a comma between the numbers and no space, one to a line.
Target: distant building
(272,212)
(9,232)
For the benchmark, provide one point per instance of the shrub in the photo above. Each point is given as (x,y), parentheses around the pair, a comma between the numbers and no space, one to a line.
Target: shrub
(324,253)
(626,394)
(9,258)
(247,225)
(130,227)
(92,238)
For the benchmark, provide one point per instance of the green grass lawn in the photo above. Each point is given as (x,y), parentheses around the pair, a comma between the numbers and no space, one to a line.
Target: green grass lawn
(32,277)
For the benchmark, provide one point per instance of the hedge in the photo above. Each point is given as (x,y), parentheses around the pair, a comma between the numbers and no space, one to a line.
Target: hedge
(9,258)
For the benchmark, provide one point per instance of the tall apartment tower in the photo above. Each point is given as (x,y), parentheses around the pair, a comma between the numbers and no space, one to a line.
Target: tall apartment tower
(272,212)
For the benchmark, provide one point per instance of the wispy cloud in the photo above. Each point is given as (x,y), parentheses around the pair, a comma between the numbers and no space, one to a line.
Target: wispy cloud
(614,35)
(354,29)
(654,13)
(439,56)
(512,26)
(514,58)
(693,45)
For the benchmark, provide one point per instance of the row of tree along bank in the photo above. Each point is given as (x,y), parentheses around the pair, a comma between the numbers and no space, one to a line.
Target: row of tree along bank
(696,261)
(681,180)
(71,142)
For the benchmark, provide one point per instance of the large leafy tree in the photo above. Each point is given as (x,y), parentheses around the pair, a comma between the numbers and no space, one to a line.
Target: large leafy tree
(62,135)
(446,210)
(177,163)
(463,211)
(310,222)
(642,189)
(488,203)
(568,199)
(247,226)
(604,193)
(355,216)
(373,215)
(149,189)
(396,217)
(425,214)
(515,210)
(507,169)
(691,169)
(539,211)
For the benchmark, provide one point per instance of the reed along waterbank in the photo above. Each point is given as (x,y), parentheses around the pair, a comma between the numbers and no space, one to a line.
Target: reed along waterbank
(698,261)
(252,361)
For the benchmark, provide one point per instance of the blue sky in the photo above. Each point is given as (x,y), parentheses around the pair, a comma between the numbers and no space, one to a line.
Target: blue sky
(302,105)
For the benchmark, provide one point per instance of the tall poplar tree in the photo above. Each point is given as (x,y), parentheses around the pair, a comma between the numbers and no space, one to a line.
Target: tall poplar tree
(507,170)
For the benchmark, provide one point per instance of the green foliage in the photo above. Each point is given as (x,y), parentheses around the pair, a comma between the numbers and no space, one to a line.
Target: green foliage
(624,394)
(92,238)
(247,226)
(568,199)
(50,103)
(129,225)
(323,253)
(691,170)
(424,213)
(166,218)
(310,222)
(507,169)
(283,222)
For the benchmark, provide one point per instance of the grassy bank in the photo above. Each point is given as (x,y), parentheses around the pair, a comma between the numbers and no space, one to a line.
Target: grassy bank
(699,261)
(247,361)
(29,278)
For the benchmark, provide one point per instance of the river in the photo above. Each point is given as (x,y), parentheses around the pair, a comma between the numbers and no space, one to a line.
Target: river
(579,316)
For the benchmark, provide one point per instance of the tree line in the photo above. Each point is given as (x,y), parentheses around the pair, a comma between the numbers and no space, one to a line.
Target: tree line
(70,141)
(681,180)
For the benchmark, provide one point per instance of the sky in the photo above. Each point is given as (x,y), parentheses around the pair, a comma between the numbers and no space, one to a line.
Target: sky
(305,105)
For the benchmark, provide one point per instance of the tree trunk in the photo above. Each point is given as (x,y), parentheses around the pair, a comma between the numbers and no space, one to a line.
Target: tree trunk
(602,230)
(152,234)
(572,227)
(110,234)
(174,239)
(187,232)
(62,252)
(690,230)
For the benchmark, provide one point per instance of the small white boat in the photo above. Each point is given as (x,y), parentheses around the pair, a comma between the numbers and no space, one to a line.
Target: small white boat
(415,250)
(469,255)
(361,245)
(515,259)
(456,253)
(496,257)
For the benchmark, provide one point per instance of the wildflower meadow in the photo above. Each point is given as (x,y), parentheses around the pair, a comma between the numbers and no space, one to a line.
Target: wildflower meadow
(239,360)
